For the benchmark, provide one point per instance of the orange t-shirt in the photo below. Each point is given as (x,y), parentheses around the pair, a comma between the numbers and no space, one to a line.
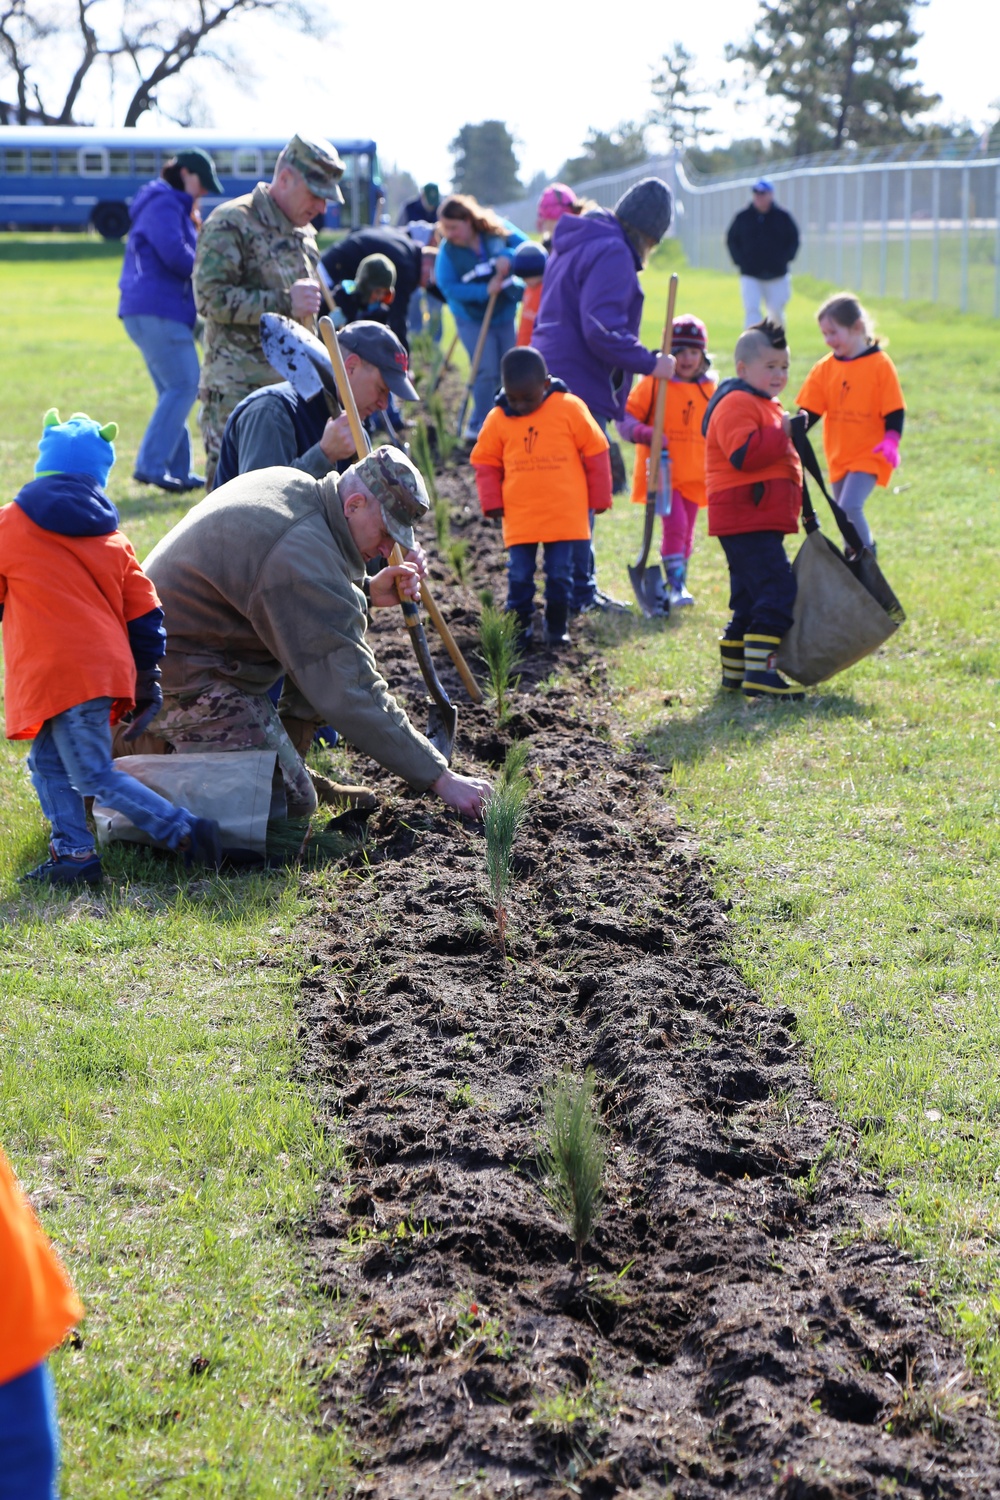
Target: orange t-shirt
(530,303)
(67,603)
(541,460)
(38,1305)
(854,396)
(686,404)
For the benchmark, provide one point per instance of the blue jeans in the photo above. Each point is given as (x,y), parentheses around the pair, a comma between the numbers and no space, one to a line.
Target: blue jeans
(71,759)
(29,1436)
(499,338)
(762,586)
(557,563)
(584,566)
(415,315)
(172,360)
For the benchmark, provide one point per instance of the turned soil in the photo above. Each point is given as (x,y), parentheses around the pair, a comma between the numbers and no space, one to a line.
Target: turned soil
(740,1328)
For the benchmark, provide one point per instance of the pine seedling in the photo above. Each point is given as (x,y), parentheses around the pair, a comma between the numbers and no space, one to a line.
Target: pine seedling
(446,441)
(498,633)
(458,556)
(502,817)
(421,447)
(442,524)
(515,764)
(573,1155)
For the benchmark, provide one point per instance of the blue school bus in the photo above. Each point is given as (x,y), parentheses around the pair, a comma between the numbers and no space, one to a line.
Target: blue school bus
(79,177)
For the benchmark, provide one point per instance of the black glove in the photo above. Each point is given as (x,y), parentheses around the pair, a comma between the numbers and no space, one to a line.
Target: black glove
(148,702)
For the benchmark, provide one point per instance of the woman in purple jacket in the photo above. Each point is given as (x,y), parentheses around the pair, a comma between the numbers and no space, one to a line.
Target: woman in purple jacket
(587,328)
(157,308)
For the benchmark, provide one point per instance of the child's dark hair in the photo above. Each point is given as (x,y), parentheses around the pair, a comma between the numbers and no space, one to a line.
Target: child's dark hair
(523,366)
(845,310)
(773,332)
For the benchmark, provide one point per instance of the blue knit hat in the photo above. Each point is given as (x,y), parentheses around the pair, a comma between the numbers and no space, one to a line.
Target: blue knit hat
(78,446)
(529,260)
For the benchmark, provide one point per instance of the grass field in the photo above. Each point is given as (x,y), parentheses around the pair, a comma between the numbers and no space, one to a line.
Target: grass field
(148,1093)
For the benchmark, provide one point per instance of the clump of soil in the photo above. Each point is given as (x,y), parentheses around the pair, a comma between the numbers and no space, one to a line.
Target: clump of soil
(740,1329)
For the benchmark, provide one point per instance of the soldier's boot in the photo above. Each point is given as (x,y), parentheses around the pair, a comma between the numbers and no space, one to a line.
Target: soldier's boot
(333,793)
(732,664)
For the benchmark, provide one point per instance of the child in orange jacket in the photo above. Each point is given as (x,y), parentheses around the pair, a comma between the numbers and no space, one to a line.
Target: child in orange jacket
(754,482)
(688,395)
(38,1307)
(856,390)
(541,462)
(83,635)
(529,265)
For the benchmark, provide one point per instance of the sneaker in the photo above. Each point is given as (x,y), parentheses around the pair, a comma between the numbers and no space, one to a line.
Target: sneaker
(164,482)
(554,640)
(604,604)
(67,869)
(202,846)
(193,482)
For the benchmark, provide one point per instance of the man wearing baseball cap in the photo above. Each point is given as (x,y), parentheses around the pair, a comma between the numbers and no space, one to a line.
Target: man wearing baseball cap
(275,425)
(763,239)
(258,254)
(266,577)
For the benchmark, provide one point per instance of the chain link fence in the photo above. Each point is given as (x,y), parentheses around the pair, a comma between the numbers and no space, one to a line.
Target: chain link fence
(925,228)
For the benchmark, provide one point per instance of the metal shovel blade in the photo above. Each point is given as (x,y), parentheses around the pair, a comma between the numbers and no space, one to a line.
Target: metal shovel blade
(650,591)
(442,726)
(298,356)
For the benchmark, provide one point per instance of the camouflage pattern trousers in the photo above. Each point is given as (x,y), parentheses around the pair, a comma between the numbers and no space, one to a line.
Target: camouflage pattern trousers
(215,411)
(223,717)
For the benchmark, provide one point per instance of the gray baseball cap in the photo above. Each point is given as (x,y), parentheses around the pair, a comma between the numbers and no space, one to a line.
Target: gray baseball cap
(398,486)
(320,165)
(380,347)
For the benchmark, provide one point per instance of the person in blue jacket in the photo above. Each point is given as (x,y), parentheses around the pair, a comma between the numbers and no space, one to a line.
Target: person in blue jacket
(473,261)
(157,309)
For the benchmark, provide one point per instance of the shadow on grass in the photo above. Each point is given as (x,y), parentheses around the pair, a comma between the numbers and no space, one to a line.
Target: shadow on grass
(731,722)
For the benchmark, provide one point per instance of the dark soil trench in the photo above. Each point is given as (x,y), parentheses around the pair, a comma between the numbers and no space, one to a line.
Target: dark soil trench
(740,1328)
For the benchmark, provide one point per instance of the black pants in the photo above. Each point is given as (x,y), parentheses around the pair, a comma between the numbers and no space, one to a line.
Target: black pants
(761,584)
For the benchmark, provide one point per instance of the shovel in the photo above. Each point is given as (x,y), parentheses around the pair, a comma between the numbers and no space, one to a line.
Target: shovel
(442,722)
(476,359)
(300,358)
(647,582)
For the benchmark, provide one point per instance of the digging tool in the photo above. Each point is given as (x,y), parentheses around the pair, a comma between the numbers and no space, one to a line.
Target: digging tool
(300,358)
(476,359)
(443,720)
(647,582)
(444,365)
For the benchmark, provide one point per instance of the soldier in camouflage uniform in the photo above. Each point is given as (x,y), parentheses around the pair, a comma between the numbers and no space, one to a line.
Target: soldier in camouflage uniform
(258,254)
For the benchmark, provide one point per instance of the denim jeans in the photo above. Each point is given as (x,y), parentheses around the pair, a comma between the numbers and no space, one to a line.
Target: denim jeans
(557,563)
(415,315)
(71,759)
(762,586)
(29,1436)
(499,338)
(172,360)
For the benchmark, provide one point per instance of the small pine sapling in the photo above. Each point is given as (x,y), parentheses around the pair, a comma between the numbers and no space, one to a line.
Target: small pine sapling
(498,633)
(503,816)
(446,441)
(424,461)
(573,1155)
(458,556)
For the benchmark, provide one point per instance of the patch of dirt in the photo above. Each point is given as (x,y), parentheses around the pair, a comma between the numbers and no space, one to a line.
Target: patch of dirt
(736,1331)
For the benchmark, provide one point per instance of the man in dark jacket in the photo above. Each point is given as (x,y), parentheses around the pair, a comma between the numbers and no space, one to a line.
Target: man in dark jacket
(423,207)
(763,239)
(587,328)
(414,267)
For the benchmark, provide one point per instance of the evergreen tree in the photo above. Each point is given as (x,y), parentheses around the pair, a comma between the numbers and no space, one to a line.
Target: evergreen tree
(844,69)
(677,96)
(485,164)
(607,151)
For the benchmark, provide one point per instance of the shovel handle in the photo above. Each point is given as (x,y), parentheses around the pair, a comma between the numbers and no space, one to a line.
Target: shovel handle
(477,358)
(347,401)
(444,365)
(656,446)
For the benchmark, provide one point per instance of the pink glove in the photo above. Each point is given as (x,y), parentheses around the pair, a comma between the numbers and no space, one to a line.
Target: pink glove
(888,449)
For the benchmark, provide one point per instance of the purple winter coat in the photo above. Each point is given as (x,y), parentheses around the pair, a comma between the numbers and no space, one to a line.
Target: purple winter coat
(588,322)
(159,255)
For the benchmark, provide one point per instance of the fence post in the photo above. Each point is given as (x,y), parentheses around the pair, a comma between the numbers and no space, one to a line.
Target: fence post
(860,229)
(907,217)
(839,254)
(936,247)
(884,246)
(964,293)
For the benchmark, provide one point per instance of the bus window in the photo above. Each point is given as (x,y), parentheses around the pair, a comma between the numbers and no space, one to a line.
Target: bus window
(145,163)
(16,163)
(41,163)
(269,160)
(223,163)
(246,164)
(67,164)
(94,163)
(119,164)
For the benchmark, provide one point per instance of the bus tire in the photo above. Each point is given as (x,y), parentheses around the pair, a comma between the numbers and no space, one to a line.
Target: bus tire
(111,220)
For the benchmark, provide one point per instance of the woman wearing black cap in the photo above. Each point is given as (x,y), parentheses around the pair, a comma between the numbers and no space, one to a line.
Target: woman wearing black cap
(157,308)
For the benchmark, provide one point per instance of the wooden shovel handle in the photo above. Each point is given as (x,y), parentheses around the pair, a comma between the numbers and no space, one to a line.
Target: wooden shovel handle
(656,446)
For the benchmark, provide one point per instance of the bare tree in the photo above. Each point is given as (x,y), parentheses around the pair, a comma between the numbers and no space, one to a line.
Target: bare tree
(154,39)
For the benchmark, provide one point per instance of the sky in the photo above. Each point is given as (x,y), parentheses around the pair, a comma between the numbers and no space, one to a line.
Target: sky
(411,76)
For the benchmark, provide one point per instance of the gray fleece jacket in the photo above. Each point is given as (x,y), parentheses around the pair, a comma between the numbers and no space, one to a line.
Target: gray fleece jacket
(263,578)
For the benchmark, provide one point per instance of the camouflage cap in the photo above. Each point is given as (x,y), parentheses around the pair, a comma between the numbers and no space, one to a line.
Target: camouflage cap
(398,487)
(319,163)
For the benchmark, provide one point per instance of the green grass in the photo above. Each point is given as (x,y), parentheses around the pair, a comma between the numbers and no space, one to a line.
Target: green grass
(858,834)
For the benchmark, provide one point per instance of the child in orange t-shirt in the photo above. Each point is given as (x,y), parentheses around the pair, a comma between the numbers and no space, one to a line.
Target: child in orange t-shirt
(754,482)
(856,390)
(83,635)
(529,265)
(688,395)
(541,462)
(38,1307)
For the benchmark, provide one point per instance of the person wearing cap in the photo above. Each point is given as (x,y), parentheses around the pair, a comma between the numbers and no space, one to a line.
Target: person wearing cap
(157,309)
(258,254)
(556,200)
(275,426)
(413,264)
(529,267)
(266,577)
(369,294)
(587,327)
(763,240)
(424,206)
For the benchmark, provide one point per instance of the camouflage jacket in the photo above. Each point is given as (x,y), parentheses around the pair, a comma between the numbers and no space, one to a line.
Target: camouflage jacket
(263,577)
(249,254)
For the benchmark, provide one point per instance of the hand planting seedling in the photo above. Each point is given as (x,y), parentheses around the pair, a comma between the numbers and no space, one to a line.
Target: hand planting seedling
(573,1155)
(498,633)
